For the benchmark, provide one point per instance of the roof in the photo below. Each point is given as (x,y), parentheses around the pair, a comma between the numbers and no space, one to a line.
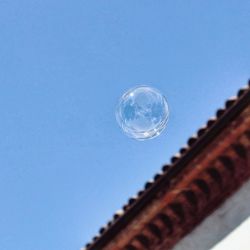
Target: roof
(206,134)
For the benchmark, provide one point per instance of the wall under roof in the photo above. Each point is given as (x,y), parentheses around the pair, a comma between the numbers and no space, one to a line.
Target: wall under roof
(220,223)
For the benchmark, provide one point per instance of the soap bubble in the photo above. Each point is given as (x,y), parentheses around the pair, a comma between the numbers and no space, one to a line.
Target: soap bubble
(142,112)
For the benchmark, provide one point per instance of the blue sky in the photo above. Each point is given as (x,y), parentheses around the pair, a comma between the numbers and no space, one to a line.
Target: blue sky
(65,166)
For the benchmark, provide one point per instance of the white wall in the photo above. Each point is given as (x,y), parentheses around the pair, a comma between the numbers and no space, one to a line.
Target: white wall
(239,239)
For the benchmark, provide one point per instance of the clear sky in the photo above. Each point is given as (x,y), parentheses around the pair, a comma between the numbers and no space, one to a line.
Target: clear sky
(65,166)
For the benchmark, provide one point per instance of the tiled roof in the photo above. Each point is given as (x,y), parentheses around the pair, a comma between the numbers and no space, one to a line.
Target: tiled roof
(195,144)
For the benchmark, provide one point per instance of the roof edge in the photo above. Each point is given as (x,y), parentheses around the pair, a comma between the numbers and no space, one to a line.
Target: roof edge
(233,107)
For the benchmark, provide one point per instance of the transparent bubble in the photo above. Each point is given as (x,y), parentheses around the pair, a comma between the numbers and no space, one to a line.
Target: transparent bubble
(142,112)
